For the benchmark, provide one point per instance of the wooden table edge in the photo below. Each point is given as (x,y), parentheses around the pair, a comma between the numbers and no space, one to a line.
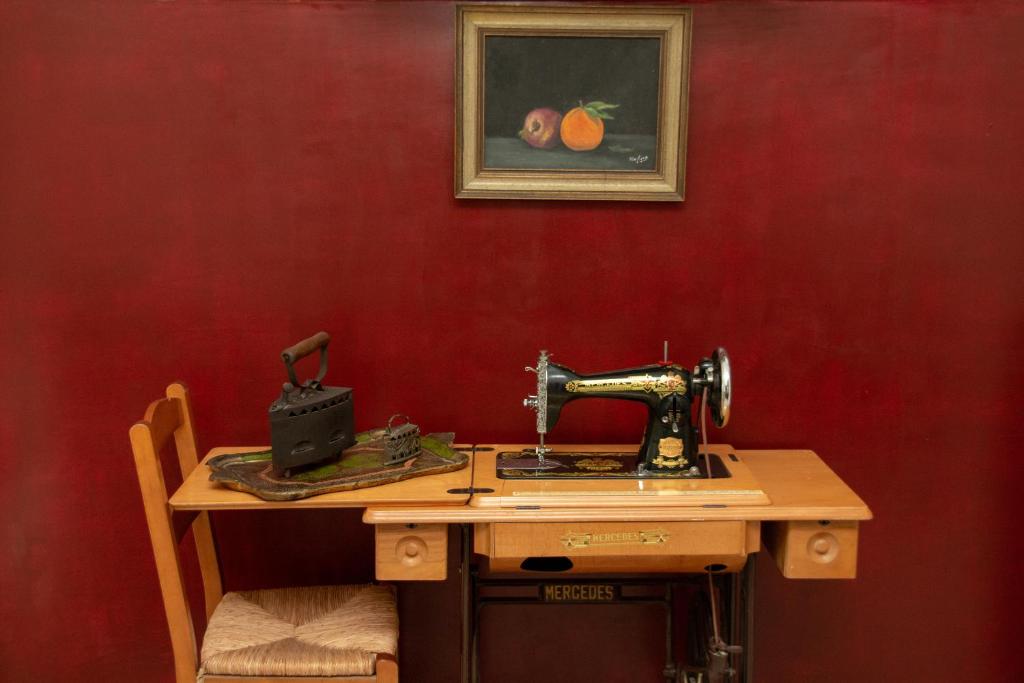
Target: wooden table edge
(376,514)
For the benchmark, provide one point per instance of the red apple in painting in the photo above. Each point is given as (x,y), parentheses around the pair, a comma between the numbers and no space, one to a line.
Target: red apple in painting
(540,129)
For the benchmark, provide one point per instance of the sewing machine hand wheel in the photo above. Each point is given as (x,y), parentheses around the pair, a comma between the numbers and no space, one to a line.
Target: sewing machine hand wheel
(298,351)
(720,391)
(714,376)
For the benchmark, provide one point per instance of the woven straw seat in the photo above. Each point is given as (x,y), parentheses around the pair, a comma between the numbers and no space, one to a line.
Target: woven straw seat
(317,631)
(343,634)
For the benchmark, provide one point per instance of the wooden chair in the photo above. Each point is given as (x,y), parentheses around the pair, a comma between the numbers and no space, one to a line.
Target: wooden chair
(306,635)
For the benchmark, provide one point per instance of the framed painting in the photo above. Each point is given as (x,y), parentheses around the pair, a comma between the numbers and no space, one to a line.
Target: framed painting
(571,102)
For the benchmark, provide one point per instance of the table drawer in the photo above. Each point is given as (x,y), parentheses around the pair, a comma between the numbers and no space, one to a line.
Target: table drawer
(814,550)
(615,539)
(411,552)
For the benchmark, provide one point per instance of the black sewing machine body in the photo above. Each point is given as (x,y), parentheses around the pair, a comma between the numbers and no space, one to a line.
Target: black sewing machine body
(670,441)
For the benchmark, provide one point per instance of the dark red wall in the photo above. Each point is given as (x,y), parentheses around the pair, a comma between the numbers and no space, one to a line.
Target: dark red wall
(187,188)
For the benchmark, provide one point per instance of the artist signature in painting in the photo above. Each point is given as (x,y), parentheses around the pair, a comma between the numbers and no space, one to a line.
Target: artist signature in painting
(639,159)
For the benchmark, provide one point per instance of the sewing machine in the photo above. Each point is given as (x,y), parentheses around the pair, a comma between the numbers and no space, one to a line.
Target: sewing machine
(670,440)
(673,465)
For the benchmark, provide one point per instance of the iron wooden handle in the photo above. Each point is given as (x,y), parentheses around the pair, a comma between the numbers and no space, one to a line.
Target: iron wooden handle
(305,347)
(298,351)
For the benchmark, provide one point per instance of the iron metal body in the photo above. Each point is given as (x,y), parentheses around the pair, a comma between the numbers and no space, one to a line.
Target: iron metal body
(309,422)
(668,390)
(401,442)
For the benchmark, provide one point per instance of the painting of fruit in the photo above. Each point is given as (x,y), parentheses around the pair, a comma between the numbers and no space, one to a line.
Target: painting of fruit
(571,102)
(583,127)
(541,128)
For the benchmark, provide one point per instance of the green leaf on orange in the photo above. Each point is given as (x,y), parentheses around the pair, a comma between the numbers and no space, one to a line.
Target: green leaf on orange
(597,113)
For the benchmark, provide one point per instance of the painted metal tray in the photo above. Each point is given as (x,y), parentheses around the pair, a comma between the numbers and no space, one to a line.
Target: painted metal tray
(360,466)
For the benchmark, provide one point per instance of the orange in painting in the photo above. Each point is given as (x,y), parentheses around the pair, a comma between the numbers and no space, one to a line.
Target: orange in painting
(583,126)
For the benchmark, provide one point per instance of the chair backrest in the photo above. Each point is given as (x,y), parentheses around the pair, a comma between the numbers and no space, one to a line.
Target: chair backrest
(166,418)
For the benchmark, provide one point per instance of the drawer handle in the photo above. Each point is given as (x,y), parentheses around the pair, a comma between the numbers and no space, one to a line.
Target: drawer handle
(546,564)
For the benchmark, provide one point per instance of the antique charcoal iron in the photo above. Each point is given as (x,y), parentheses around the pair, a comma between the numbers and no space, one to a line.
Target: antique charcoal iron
(309,423)
(670,440)
(401,442)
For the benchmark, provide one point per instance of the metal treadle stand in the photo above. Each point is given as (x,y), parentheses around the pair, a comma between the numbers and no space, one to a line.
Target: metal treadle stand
(736,595)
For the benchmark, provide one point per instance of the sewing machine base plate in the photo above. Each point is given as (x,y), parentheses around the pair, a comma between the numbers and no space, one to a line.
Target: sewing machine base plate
(542,490)
(599,465)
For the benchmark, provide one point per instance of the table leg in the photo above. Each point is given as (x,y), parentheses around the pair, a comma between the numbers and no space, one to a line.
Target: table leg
(748,576)
(671,670)
(466,588)
(741,621)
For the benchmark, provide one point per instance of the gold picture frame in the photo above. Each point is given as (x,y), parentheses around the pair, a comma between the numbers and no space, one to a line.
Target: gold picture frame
(533,59)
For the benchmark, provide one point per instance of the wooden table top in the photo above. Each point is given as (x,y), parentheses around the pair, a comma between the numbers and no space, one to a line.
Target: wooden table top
(799,485)
(199,493)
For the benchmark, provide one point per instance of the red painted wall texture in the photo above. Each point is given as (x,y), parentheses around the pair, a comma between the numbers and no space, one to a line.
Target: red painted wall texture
(187,188)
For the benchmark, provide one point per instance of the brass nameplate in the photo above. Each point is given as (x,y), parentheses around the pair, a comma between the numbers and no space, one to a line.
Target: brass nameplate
(670,453)
(588,540)
(598,464)
(670,383)
(670,447)
(578,592)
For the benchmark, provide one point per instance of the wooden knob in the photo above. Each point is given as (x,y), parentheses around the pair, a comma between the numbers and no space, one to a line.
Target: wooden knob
(411,550)
(823,547)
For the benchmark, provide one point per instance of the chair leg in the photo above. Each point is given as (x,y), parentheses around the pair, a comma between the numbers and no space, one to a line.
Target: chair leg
(387,669)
